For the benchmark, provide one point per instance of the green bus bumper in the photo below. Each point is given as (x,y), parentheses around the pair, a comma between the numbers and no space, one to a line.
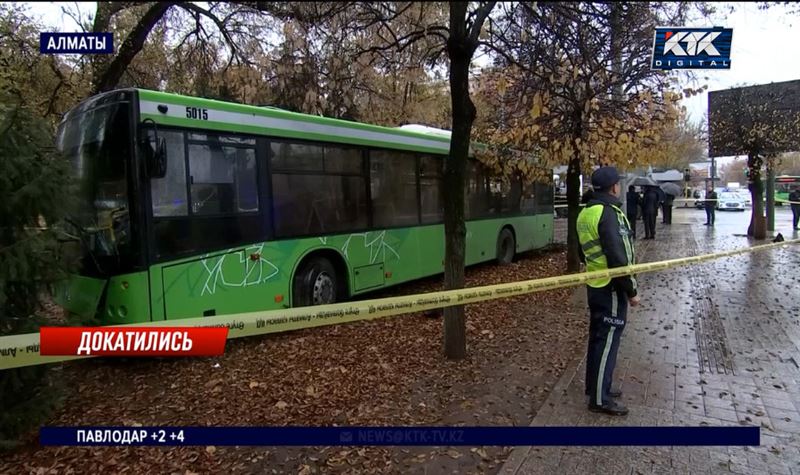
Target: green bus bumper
(118,300)
(80,295)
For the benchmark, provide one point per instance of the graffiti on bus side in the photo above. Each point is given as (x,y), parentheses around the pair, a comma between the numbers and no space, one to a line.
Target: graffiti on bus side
(258,271)
(377,246)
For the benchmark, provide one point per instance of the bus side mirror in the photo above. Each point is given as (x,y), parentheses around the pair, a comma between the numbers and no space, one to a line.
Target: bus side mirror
(155,155)
(159,162)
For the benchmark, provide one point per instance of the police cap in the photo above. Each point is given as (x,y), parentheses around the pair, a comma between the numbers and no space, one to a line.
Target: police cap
(605,177)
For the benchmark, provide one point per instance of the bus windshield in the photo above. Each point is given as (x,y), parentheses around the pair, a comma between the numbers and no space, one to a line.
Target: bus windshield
(97,144)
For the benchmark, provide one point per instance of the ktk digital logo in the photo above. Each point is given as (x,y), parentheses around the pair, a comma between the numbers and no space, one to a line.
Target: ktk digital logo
(692,48)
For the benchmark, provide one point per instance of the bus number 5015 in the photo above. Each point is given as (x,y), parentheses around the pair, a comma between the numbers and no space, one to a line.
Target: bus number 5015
(196,113)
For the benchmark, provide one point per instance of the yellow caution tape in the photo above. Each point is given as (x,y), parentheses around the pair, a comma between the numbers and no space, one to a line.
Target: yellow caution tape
(23,350)
(703,199)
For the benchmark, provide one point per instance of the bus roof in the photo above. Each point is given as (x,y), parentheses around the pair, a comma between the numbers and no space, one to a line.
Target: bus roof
(187,111)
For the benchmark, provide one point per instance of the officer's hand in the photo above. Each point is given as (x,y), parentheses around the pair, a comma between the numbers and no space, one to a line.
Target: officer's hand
(633,301)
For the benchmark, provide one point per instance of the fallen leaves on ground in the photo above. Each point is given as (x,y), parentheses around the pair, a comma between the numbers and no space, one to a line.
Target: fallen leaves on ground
(385,372)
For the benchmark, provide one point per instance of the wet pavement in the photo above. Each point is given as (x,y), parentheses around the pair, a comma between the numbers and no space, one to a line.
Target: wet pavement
(713,344)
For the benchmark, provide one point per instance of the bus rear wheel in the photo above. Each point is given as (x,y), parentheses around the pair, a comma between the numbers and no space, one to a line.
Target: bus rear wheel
(315,283)
(506,247)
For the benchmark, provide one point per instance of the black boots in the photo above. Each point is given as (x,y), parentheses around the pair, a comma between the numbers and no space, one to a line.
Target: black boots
(612,409)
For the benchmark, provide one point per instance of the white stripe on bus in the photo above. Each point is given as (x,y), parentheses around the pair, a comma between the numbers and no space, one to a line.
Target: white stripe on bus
(179,112)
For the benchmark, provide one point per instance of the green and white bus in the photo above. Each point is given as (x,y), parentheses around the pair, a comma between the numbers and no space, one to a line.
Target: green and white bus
(193,207)
(784,185)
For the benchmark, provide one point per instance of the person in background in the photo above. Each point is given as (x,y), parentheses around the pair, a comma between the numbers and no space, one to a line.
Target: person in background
(587,196)
(632,203)
(666,208)
(649,209)
(794,197)
(710,205)
(604,235)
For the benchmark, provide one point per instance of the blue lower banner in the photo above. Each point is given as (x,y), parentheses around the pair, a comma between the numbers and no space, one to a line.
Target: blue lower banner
(351,436)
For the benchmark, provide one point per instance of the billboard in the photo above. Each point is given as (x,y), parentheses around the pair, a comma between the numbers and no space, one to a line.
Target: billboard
(765,118)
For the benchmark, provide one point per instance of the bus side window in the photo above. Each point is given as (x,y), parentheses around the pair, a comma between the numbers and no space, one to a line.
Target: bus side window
(223,178)
(529,199)
(477,191)
(430,183)
(317,189)
(168,194)
(394,188)
(543,197)
(513,202)
(245,173)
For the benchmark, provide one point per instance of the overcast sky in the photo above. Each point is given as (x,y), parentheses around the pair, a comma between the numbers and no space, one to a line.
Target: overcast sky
(760,53)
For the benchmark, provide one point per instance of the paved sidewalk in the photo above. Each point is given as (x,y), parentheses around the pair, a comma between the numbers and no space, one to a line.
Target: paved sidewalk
(714,344)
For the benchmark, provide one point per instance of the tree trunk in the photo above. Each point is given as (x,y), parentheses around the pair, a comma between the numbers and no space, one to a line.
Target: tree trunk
(573,209)
(616,51)
(107,74)
(460,51)
(574,197)
(757,227)
(770,190)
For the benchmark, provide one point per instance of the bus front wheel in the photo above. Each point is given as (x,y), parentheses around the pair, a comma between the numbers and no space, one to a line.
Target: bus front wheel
(506,247)
(315,283)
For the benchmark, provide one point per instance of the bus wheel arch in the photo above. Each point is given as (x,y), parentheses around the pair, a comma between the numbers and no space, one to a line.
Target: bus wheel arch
(506,245)
(320,278)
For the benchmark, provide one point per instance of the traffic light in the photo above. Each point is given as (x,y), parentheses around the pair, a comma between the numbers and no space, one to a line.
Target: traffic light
(687,176)
(747,172)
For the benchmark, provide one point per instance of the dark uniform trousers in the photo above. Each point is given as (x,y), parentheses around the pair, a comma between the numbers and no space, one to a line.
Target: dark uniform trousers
(608,311)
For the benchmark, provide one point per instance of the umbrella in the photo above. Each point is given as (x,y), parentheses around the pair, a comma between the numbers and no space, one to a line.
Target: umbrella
(671,189)
(643,181)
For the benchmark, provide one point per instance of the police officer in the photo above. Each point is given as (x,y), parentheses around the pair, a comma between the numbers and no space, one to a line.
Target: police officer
(605,237)
(794,197)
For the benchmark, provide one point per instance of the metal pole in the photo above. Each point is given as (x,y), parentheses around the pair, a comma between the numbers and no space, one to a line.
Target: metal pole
(713,172)
(770,196)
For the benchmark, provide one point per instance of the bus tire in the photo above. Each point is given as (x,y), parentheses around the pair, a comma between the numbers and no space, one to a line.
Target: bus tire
(315,283)
(506,247)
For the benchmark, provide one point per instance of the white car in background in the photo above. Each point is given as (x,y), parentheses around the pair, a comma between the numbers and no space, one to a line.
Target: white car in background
(730,201)
(746,197)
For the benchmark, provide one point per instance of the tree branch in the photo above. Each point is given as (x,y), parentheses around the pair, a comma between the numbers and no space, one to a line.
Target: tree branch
(221,25)
(480,17)
(111,74)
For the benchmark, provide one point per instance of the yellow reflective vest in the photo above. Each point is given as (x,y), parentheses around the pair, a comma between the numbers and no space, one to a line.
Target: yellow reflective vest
(589,237)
